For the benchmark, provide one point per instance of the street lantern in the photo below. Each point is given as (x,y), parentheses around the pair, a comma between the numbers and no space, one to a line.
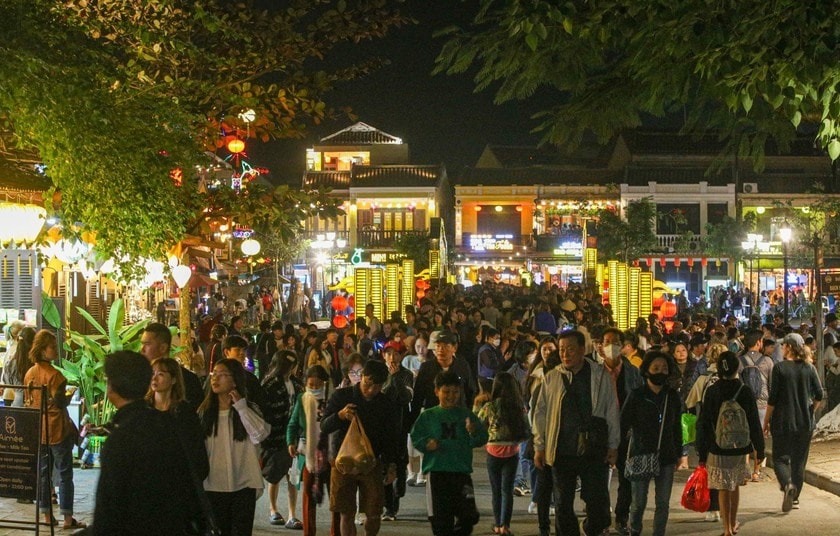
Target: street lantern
(181,274)
(250,247)
(785,234)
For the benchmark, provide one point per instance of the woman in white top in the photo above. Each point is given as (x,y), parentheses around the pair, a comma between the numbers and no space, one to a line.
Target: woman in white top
(233,429)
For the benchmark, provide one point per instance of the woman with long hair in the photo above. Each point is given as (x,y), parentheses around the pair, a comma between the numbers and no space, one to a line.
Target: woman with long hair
(16,367)
(282,388)
(319,354)
(233,430)
(57,447)
(507,425)
(167,394)
(795,391)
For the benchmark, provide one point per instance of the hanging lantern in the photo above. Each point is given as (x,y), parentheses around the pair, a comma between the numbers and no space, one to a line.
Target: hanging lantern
(676,262)
(339,303)
(339,321)
(181,274)
(636,262)
(717,263)
(668,309)
(704,261)
(351,302)
(250,247)
(420,294)
(691,264)
(351,317)
(669,325)
(662,262)
(650,262)
(236,146)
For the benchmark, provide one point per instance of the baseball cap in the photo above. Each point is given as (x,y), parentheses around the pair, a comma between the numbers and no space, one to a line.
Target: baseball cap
(447,337)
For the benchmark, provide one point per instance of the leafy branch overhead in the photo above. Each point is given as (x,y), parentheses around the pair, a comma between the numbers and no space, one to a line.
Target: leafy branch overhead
(746,69)
(112,96)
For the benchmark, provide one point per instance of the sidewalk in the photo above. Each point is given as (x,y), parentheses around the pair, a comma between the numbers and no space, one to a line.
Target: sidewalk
(823,469)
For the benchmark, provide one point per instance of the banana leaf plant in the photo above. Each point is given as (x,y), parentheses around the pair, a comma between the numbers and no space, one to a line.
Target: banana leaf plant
(84,358)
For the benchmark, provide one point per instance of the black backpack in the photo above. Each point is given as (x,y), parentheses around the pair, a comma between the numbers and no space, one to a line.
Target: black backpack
(752,376)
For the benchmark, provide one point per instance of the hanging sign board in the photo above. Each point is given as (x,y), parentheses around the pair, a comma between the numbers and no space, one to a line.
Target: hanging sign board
(19,437)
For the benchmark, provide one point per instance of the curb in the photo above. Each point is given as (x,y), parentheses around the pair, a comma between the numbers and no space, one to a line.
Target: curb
(813,478)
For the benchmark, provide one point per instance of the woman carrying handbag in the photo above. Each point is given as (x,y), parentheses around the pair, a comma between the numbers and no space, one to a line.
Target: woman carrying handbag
(651,415)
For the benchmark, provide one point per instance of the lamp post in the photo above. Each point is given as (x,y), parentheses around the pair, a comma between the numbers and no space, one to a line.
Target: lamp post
(785,234)
(751,244)
(324,245)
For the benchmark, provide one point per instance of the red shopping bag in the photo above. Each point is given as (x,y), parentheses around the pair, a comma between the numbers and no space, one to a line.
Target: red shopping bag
(696,493)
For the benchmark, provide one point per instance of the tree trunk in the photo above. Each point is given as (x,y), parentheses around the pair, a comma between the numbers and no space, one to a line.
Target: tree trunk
(184,327)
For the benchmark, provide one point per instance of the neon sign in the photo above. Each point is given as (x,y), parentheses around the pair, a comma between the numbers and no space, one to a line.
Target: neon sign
(502,242)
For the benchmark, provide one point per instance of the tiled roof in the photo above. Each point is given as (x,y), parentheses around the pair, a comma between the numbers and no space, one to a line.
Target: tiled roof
(360,134)
(337,180)
(537,175)
(16,177)
(641,175)
(512,156)
(376,177)
(392,176)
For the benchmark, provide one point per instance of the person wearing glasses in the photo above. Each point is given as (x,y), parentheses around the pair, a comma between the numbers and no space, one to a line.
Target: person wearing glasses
(233,430)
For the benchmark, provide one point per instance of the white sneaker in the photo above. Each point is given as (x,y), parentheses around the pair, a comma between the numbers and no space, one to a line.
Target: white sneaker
(551,511)
(360,519)
(532,508)
(420,481)
(713,516)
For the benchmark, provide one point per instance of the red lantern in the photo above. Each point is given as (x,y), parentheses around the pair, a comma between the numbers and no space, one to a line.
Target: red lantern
(420,283)
(676,262)
(236,146)
(420,294)
(668,309)
(658,300)
(339,303)
(691,262)
(351,302)
(339,321)
(351,317)
(662,262)
(650,262)
(636,263)
(669,325)
(704,261)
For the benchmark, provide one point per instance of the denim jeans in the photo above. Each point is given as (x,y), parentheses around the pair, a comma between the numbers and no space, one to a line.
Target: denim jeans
(502,472)
(664,482)
(542,493)
(523,471)
(60,458)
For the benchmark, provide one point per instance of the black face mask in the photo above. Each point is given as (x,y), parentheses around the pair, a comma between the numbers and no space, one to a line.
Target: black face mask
(660,378)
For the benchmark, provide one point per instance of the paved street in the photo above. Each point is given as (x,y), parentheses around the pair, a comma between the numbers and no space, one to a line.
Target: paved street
(760,511)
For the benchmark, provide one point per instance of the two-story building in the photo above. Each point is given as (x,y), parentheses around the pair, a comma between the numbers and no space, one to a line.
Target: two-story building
(386,199)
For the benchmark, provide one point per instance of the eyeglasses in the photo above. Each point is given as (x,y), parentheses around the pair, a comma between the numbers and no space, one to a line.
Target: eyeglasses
(354,372)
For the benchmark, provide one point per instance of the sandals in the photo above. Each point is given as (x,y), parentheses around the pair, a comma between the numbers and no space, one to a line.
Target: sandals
(74,524)
(756,477)
(276,519)
(294,524)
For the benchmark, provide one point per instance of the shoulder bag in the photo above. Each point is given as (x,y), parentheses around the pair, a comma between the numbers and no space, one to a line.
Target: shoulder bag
(646,466)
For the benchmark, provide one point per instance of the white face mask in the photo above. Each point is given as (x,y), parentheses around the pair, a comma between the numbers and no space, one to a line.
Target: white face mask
(496,342)
(532,357)
(317,393)
(612,351)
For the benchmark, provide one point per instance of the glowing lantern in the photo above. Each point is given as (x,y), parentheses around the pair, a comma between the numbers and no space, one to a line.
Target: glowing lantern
(669,325)
(676,262)
(668,309)
(704,261)
(236,146)
(181,274)
(250,247)
(662,262)
(20,223)
(478,208)
(420,294)
(658,300)
(351,316)
(339,321)
(351,302)
(339,303)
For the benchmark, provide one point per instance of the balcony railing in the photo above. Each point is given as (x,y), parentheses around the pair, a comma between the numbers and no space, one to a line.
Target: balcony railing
(375,238)
(666,241)
(339,235)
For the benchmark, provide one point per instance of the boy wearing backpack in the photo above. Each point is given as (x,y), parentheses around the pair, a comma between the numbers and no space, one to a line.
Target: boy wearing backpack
(756,369)
(728,429)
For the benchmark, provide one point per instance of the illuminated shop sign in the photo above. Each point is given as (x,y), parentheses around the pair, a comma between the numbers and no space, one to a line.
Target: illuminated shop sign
(491,242)
(569,249)
(386,257)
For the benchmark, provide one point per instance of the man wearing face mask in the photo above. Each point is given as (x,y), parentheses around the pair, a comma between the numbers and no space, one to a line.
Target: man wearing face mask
(625,378)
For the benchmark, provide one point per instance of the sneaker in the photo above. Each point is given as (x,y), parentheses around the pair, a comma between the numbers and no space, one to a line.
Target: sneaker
(622,528)
(787,502)
(411,480)
(389,516)
(796,504)
(421,482)
(551,511)
(360,519)
(521,491)
(532,508)
(713,516)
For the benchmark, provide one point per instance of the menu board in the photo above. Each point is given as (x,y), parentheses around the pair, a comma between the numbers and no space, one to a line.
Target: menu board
(19,437)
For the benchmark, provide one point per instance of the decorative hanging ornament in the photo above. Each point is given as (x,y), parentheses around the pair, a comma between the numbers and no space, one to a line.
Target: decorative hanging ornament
(181,274)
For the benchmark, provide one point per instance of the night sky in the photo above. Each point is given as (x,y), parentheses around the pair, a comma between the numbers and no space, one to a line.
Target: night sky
(440,117)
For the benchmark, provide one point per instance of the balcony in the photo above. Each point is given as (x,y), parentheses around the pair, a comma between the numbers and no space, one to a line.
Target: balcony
(339,235)
(561,240)
(375,238)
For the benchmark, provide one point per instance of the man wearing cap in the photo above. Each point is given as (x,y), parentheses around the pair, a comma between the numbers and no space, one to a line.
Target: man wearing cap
(445,346)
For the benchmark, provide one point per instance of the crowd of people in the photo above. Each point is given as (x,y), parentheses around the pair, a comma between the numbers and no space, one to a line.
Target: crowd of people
(561,401)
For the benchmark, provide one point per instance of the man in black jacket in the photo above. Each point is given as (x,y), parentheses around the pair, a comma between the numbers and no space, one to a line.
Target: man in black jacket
(145,487)
(377,413)
(445,348)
